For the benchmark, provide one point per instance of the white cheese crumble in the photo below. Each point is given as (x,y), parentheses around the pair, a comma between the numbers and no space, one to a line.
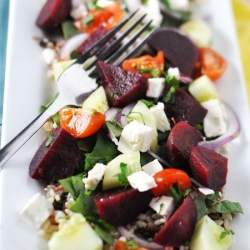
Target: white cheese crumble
(94,176)
(142,181)
(135,137)
(49,55)
(78,9)
(155,87)
(37,210)
(152,167)
(174,72)
(163,205)
(161,119)
(206,191)
(179,5)
(214,121)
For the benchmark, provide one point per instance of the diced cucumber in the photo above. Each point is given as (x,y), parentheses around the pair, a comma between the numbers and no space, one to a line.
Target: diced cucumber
(113,168)
(198,31)
(142,114)
(207,236)
(59,67)
(97,100)
(203,89)
(75,234)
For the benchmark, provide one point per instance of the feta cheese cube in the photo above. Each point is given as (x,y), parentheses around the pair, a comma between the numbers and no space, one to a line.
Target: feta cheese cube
(163,205)
(214,122)
(174,72)
(179,5)
(152,167)
(161,119)
(37,210)
(135,137)
(155,87)
(141,181)
(95,175)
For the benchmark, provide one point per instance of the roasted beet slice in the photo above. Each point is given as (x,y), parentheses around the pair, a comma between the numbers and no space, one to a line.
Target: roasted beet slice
(178,49)
(208,167)
(185,108)
(122,87)
(93,38)
(56,161)
(119,207)
(182,138)
(180,226)
(53,13)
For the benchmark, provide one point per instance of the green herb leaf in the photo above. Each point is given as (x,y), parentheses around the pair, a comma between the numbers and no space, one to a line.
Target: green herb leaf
(144,1)
(166,3)
(154,72)
(212,198)
(69,29)
(106,236)
(170,96)
(115,129)
(201,207)
(225,233)
(149,104)
(50,138)
(225,206)
(104,151)
(84,204)
(87,19)
(176,193)
(123,176)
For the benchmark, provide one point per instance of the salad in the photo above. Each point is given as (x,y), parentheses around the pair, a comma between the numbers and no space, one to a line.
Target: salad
(73,194)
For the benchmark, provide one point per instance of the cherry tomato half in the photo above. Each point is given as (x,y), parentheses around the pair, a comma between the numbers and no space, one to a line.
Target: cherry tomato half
(120,245)
(212,64)
(108,17)
(81,122)
(147,65)
(166,178)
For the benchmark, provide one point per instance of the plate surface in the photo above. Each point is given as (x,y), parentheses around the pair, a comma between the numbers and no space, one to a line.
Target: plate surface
(27,87)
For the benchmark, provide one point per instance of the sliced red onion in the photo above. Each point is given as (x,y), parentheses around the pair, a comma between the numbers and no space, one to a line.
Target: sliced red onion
(141,242)
(232,132)
(111,114)
(125,111)
(71,44)
(185,79)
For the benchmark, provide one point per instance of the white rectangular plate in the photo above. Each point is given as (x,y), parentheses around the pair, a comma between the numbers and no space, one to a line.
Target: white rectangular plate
(27,87)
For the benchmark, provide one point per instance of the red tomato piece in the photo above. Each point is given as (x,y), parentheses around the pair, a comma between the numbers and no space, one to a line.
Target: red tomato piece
(108,17)
(120,245)
(166,178)
(147,65)
(212,64)
(81,122)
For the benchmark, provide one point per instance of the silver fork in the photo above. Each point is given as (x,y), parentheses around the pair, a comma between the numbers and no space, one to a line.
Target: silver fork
(75,83)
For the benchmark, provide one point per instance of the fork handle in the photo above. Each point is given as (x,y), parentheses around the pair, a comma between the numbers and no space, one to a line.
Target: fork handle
(20,139)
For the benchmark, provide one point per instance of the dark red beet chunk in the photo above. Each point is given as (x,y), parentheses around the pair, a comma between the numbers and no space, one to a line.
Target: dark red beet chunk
(178,49)
(57,161)
(122,87)
(208,167)
(180,226)
(119,207)
(53,13)
(185,108)
(93,38)
(182,138)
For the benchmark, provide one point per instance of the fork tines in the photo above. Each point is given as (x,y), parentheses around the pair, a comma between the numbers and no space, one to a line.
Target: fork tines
(120,44)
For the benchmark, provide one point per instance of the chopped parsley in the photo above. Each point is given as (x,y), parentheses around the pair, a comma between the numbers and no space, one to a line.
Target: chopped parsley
(87,19)
(123,176)
(225,233)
